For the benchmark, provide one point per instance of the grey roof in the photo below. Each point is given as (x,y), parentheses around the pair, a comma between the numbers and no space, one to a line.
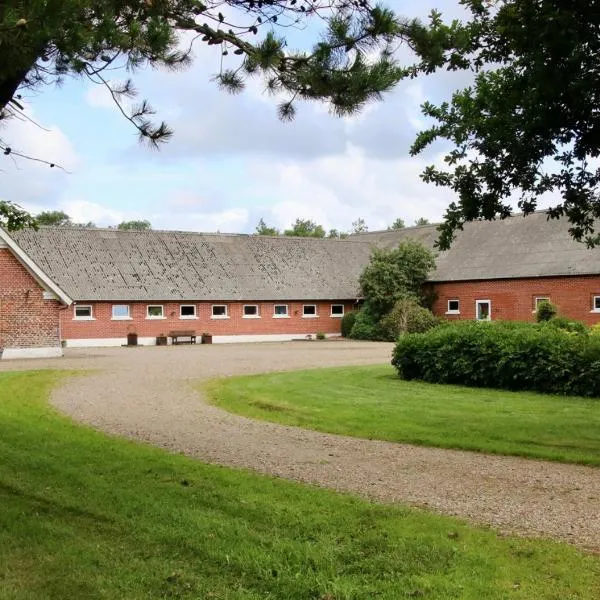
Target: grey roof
(101,264)
(519,246)
(108,264)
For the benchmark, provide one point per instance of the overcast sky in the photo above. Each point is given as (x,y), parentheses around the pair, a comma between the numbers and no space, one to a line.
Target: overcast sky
(231,161)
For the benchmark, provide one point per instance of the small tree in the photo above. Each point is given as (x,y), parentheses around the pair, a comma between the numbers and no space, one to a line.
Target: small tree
(407,316)
(421,221)
(546,311)
(395,274)
(359,226)
(263,229)
(136,225)
(53,218)
(397,224)
(305,228)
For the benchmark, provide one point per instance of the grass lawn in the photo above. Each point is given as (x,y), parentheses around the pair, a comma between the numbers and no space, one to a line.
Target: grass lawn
(86,516)
(372,402)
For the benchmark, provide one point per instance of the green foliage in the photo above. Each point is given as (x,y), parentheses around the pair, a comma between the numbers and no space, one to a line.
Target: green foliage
(366,324)
(397,224)
(305,228)
(359,226)
(569,325)
(545,311)
(407,316)
(13,217)
(263,229)
(321,335)
(53,218)
(421,221)
(347,323)
(394,274)
(527,126)
(514,356)
(135,225)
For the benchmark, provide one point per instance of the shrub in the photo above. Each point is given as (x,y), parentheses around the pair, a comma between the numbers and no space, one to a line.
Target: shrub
(545,311)
(366,326)
(347,323)
(407,316)
(569,325)
(514,356)
(321,335)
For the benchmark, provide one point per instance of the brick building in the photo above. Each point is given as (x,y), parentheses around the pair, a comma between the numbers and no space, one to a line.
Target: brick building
(93,287)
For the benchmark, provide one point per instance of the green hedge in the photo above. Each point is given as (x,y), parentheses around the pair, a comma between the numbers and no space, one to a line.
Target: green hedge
(514,356)
(347,323)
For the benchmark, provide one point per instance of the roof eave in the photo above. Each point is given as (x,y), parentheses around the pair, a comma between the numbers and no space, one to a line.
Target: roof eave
(34,269)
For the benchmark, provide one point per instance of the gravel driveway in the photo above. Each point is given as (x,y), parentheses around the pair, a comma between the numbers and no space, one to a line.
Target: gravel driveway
(148,394)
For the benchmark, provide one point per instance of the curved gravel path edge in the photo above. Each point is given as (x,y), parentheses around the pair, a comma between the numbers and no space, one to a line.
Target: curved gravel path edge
(149,394)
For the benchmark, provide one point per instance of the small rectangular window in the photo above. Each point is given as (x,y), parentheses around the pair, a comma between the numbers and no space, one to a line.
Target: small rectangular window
(309,310)
(483,310)
(453,307)
(251,311)
(219,311)
(187,311)
(596,304)
(280,310)
(120,311)
(337,310)
(83,312)
(154,311)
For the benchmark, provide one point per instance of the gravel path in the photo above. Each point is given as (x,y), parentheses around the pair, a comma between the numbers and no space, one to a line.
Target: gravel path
(148,394)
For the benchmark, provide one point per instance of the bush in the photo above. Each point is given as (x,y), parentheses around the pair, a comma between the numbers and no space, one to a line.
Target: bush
(407,316)
(347,323)
(366,325)
(545,311)
(569,325)
(514,356)
(321,335)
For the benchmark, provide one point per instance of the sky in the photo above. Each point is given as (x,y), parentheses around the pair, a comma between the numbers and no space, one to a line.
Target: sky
(231,161)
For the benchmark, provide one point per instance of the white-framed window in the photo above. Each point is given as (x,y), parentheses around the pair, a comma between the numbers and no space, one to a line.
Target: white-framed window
(538,300)
(596,304)
(280,311)
(187,311)
(121,312)
(219,311)
(309,311)
(83,312)
(250,311)
(337,310)
(483,310)
(155,311)
(453,307)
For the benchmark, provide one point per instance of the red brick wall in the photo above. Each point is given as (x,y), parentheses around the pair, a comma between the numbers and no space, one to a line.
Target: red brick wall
(514,299)
(103,326)
(26,319)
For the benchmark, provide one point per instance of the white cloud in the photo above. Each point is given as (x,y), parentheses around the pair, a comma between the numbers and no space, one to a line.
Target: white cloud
(83,211)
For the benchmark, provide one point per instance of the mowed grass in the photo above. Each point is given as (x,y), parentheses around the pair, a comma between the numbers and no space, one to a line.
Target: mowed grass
(373,402)
(86,516)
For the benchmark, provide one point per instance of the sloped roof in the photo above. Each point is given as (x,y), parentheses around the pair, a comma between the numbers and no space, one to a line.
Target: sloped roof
(101,264)
(109,264)
(518,246)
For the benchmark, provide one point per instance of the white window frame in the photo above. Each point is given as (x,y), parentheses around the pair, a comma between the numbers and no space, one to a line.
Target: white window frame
(477,303)
(121,318)
(337,315)
(594,309)
(76,318)
(255,316)
(537,300)
(212,311)
(452,311)
(305,316)
(285,316)
(153,317)
(188,317)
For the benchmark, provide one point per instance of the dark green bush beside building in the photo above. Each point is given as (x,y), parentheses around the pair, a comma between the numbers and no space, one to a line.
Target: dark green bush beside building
(513,356)
(347,323)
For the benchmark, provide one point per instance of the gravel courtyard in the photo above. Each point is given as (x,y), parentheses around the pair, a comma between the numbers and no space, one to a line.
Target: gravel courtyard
(148,394)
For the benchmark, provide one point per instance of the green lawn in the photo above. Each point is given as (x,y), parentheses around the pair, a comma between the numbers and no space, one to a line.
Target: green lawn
(372,402)
(86,516)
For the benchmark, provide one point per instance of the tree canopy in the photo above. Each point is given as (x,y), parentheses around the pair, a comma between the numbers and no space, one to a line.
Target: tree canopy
(421,221)
(263,229)
(305,228)
(397,224)
(529,125)
(54,218)
(141,225)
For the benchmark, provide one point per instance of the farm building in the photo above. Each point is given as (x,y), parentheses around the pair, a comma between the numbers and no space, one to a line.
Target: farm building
(94,287)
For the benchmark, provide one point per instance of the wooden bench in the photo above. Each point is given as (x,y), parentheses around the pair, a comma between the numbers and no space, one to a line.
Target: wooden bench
(189,337)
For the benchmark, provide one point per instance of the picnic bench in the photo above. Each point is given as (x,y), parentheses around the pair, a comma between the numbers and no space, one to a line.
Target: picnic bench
(183,337)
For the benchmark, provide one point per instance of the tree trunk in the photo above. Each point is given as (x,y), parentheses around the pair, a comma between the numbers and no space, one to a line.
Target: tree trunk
(8,87)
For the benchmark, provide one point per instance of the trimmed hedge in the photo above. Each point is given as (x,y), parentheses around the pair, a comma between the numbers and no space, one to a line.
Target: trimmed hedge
(513,356)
